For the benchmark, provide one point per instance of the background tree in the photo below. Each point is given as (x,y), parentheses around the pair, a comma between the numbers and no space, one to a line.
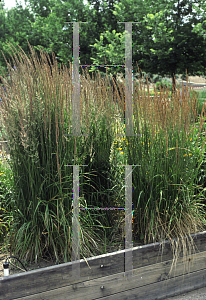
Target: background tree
(16,27)
(104,20)
(175,46)
(163,44)
(45,27)
(42,29)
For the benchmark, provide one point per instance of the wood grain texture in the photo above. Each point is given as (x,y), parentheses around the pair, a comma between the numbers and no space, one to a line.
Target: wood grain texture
(117,286)
(151,265)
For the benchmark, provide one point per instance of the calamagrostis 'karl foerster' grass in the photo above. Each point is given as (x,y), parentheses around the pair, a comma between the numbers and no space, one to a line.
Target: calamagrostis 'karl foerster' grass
(36,113)
(166,194)
(168,200)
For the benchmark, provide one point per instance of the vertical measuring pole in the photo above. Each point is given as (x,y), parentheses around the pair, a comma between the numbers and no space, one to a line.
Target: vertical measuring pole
(75,224)
(76,83)
(76,132)
(128,79)
(128,221)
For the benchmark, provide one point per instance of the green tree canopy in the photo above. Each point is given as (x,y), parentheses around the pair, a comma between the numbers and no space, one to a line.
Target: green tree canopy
(163,44)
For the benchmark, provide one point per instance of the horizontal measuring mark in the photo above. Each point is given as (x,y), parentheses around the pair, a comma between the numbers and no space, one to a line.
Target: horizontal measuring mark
(104,208)
(128,165)
(75,165)
(74,135)
(103,65)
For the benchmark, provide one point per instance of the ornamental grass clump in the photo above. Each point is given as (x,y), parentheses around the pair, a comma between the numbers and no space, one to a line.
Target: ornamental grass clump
(168,187)
(6,179)
(168,200)
(36,115)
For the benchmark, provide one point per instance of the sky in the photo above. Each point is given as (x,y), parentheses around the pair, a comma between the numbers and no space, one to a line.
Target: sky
(12,3)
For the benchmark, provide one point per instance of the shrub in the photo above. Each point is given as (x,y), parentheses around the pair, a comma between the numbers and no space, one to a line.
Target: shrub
(163,84)
(156,78)
(184,77)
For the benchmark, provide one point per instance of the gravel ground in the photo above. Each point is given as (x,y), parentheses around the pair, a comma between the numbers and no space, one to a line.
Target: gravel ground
(199,294)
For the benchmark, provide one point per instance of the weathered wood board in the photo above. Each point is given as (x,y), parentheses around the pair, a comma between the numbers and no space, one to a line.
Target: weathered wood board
(105,276)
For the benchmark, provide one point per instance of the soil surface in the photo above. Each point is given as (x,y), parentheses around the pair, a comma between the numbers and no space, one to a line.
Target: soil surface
(15,267)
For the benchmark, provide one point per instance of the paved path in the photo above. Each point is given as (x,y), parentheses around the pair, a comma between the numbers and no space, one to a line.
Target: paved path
(199,294)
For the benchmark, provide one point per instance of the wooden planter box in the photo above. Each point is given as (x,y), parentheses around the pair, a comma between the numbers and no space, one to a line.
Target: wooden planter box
(102,277)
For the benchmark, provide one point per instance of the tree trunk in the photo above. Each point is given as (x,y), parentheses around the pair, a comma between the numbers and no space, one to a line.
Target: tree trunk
(173,83)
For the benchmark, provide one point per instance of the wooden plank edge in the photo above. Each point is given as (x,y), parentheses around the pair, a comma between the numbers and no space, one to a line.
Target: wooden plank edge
(114,286)
(162,290)
(34,278)
(194,236)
